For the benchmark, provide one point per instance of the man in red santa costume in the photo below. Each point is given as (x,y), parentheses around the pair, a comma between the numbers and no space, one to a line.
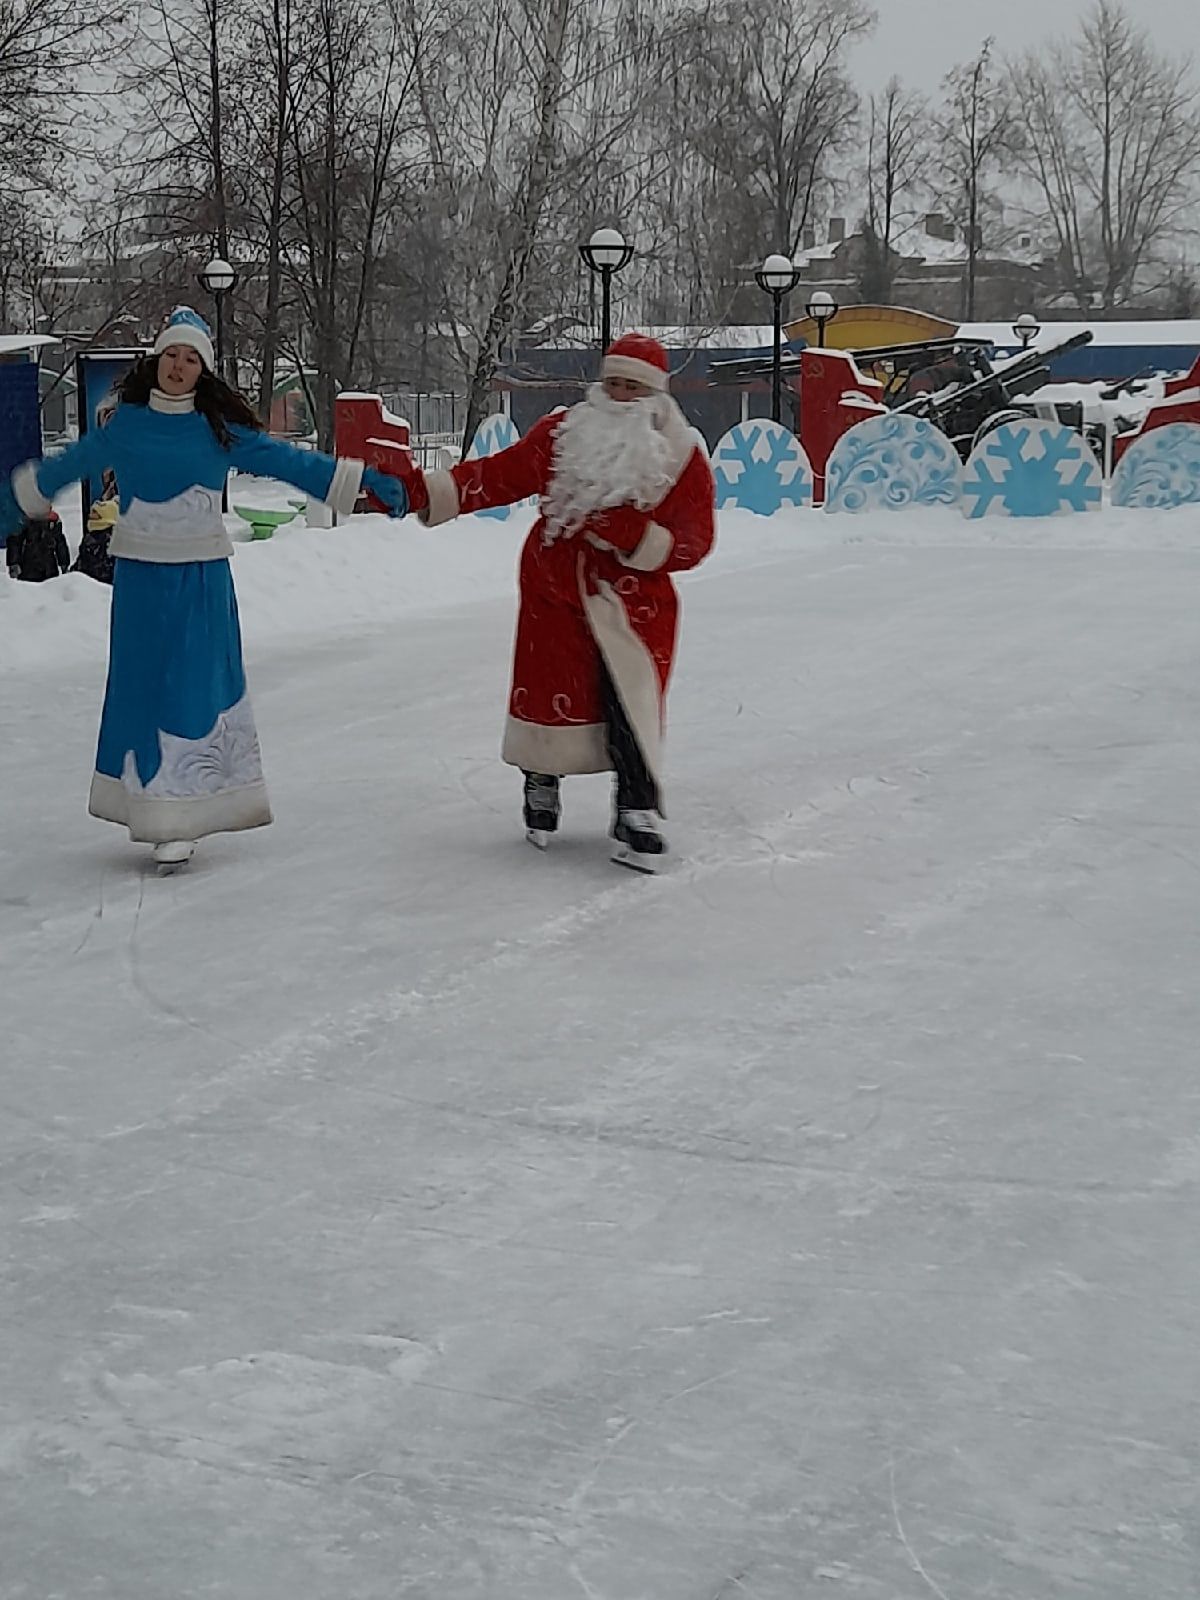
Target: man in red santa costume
(626,500)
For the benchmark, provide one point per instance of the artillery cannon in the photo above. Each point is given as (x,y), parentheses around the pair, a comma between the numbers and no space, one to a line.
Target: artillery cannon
(955,383)
(968,411)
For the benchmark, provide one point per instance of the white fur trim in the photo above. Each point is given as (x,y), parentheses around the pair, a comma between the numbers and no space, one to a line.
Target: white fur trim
(26,492)
(154,819)
(653,551)
(633,672)
(345,484)
(640,371)
(443,505)
(188,527)
(680,432)
(582,747)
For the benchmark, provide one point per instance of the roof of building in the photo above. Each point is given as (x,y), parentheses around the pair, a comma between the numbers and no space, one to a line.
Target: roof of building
(14,343)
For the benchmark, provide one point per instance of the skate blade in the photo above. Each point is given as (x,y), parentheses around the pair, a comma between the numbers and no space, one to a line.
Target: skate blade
(538,838)
(168,869)
(638,860)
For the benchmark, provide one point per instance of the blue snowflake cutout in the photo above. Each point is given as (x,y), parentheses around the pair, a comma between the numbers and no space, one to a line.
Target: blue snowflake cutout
(494,433)
(891,463)
(760,466)
(1160,470)
(1043,469)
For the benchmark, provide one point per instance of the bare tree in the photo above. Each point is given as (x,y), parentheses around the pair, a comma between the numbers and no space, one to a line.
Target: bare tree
(770,107)
(278,52)
(536,115)
(349,128)
(186,49)
(43,43)
(1112,149)
(976,138)
(897,153)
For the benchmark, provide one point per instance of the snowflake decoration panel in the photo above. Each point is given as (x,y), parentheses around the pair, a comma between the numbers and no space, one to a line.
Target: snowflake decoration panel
(761,466)
(891,463)
(1161,470)
(1032,469)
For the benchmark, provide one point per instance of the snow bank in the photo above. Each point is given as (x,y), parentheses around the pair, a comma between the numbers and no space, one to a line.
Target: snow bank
(371,572)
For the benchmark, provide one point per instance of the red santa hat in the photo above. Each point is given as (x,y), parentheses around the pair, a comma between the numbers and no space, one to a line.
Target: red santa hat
(637,356)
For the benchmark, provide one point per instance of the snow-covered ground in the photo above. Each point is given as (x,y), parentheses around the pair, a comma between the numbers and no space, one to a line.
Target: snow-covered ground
(389,1211)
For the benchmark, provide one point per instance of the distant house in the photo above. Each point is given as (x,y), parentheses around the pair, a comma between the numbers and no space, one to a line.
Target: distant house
(929,263)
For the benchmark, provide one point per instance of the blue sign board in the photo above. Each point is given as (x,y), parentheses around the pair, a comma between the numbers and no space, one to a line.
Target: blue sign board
(97,373)
(20,416)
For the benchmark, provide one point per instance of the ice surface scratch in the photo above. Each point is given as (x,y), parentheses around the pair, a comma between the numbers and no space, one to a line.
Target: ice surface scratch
(913,1556)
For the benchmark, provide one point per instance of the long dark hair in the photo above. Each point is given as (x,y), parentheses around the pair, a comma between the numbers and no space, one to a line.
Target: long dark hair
(216,402)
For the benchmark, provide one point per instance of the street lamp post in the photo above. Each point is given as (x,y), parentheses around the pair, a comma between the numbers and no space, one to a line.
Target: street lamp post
(777,276)
(219,278)
(1027,327)
(822,308)
(606,253)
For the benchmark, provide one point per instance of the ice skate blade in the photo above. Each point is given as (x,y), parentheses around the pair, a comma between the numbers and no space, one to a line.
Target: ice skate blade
(539,838)
(638,860)
(168,869)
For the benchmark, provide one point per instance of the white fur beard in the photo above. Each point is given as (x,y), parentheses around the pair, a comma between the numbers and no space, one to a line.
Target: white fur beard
(606,453)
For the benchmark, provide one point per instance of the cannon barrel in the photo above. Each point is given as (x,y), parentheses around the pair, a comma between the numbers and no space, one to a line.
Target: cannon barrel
(1025,375)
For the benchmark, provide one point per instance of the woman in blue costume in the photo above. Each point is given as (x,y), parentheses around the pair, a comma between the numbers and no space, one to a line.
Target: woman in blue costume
(178,754)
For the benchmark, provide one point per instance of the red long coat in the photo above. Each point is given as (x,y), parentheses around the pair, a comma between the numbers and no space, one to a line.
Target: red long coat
(604,593)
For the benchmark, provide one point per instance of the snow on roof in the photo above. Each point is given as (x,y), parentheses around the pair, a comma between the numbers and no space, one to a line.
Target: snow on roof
(1109,335)
(12,343)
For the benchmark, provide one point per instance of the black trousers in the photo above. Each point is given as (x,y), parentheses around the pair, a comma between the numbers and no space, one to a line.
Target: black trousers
(636,788)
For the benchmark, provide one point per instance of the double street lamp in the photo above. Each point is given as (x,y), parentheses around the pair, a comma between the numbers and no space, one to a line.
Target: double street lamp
(777,276)
(606,253)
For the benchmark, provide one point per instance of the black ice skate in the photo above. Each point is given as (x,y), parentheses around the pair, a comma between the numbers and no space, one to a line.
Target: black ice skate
(542,808)
(639,840)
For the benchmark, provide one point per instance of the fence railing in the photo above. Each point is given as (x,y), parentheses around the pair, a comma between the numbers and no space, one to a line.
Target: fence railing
(429,414)
(435,450)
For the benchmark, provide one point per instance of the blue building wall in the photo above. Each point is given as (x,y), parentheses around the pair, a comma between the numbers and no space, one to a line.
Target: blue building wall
(20,418)
(714,411)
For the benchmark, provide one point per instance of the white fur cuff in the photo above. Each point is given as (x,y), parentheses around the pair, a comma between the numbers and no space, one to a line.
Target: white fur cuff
(443,499)
(652,551)
(640,371)
(344,486)
(26,492)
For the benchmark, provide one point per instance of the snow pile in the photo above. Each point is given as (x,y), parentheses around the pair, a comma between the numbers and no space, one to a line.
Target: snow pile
(372,572)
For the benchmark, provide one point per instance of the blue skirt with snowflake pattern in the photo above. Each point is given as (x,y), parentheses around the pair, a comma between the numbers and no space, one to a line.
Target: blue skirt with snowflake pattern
(178,754)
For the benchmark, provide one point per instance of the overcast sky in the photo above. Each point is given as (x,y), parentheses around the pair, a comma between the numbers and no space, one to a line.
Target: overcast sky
(921,39)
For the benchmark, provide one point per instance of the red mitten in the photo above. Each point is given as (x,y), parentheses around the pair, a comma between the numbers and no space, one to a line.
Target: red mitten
(398,463)
(623,527)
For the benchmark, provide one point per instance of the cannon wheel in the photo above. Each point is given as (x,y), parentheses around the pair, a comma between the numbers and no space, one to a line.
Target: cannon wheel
(996,420)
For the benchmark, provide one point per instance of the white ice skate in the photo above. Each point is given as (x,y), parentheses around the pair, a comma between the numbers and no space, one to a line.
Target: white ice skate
(173,855)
